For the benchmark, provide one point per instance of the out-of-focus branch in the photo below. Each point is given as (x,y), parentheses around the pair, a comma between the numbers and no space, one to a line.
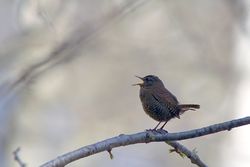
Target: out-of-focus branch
(181,149)
(143,137)
(65,50)
(17,158)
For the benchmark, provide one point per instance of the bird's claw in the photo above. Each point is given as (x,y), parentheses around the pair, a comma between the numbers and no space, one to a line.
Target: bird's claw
(162,131)
(151,130)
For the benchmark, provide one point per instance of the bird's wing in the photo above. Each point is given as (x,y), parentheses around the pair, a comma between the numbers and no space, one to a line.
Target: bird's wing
(167,100)
(167,96)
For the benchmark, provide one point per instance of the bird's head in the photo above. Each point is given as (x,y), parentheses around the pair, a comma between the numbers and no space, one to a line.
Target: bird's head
(149,81)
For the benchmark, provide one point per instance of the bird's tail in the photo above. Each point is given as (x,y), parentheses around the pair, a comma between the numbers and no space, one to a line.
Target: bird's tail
(186,107)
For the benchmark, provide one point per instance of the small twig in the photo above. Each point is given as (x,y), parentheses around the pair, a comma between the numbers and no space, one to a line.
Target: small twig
(17,158)
(182,150)
(110,153)
(142,137)
(182,155)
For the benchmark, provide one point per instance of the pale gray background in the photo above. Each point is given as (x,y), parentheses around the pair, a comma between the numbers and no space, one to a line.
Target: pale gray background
(199,48)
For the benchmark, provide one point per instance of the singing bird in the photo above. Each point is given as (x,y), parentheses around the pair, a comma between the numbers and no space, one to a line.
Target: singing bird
(158,102)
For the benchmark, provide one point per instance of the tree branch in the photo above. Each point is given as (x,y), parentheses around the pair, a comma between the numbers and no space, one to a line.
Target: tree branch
(142,137)
(17,158)
(180,149)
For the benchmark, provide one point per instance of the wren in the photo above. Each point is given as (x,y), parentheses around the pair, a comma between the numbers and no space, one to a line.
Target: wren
(159,103)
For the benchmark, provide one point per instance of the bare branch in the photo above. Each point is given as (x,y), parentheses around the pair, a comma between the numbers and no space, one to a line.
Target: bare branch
(17,158)
(179,148)
(142,137)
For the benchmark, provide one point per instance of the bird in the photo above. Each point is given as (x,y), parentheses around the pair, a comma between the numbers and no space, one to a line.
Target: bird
(158,102)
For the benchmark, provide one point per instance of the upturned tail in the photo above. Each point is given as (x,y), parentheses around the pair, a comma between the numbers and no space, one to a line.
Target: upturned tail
(186,107)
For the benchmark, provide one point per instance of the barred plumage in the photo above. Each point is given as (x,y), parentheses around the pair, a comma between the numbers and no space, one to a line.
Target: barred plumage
(159,103)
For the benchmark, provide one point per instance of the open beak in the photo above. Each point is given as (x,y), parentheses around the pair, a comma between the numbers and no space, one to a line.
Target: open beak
(138,83)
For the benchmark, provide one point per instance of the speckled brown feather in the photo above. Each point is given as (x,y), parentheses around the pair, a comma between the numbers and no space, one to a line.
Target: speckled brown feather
(158,102)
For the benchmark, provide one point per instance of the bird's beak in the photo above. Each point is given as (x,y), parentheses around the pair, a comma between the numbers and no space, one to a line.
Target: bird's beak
(140,84)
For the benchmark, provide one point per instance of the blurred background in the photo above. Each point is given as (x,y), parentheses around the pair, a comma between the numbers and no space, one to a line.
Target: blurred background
(67,68)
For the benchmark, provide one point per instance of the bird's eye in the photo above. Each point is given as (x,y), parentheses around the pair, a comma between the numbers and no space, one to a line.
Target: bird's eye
(148,79)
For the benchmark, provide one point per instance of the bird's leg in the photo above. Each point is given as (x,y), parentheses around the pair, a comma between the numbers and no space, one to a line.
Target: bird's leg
(157,125)
(164,125)
(154,128)
(161,130)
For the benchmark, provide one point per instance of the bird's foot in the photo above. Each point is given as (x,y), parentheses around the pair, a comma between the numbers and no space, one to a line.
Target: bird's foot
(151,130)
(162,131)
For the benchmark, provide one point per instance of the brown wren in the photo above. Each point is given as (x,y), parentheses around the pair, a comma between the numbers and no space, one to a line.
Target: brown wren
(158,102)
